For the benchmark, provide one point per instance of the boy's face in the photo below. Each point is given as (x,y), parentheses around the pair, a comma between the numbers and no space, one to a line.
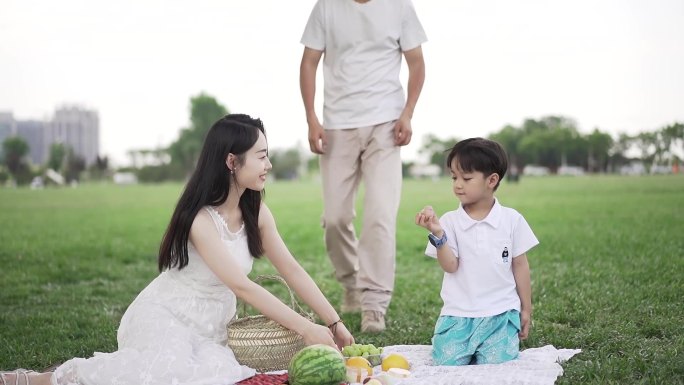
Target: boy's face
(472,186)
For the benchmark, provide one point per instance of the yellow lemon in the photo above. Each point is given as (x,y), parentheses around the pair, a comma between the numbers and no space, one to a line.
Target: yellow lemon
(360,362)
(394,360)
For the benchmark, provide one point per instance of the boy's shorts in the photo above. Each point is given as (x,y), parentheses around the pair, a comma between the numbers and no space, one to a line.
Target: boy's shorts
(483,340)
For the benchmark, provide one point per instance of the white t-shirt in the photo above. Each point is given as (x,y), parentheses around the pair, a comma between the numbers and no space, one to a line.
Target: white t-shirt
(483,285)
(363,45)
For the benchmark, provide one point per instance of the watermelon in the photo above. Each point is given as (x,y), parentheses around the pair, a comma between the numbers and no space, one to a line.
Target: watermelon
(317,365)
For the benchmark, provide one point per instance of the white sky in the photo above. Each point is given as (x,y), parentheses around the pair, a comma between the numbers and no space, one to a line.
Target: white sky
(613,64)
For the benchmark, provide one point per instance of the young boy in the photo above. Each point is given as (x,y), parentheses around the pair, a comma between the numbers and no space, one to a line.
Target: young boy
(482,249)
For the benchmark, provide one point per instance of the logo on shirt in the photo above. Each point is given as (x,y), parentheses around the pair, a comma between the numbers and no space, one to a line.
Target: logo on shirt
(504,255)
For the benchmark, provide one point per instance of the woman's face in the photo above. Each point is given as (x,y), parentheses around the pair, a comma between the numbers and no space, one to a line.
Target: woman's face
(251,173)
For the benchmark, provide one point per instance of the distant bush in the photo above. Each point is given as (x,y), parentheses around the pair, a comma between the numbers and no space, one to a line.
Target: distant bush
(23,175)
(160,173)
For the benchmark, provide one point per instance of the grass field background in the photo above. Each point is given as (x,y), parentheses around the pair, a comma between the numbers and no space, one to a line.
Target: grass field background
(608,276)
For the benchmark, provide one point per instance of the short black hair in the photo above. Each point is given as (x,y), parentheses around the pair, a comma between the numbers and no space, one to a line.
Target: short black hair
(479,154)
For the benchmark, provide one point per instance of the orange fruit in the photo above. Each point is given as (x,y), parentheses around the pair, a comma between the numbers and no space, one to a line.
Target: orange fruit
(394,360)
(360,362)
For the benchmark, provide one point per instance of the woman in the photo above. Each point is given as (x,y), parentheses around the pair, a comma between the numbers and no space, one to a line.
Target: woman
(174,333)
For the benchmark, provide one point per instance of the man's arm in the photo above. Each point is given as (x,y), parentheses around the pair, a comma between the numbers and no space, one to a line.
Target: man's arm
(307,86)
(416,67)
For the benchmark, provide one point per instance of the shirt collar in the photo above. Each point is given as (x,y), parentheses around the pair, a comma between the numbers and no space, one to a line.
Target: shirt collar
(493,218)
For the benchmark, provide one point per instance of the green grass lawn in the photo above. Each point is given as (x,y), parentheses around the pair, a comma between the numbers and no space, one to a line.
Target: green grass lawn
(608,276)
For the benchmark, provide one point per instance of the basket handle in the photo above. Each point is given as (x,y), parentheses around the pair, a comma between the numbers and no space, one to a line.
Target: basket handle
(294,305)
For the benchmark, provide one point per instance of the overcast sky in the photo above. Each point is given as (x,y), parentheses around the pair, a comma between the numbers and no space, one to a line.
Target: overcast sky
(613,64)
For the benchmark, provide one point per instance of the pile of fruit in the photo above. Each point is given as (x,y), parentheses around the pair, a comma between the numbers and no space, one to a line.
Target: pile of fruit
(367,351)
(324,365)
(360,360)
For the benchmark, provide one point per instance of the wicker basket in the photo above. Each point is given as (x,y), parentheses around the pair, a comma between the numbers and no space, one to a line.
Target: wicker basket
(261,343)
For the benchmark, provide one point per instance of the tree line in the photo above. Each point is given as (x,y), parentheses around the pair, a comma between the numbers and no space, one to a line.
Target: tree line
(178,160)
(555,141)
(551,141)
(61,158)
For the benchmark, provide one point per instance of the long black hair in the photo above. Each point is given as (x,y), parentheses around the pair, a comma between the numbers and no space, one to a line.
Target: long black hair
(210,185)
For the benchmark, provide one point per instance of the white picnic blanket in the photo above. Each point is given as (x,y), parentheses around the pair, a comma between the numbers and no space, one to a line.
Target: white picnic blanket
(535,366)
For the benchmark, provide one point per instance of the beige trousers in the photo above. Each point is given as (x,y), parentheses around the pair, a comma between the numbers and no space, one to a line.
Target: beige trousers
(366,154)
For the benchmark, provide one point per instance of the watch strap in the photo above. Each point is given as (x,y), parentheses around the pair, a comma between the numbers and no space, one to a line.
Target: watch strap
(436,241)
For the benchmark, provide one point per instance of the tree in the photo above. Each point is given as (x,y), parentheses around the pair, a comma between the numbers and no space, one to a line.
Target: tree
(185,150)
(57,157)
(509,137)
(74,166)
(99,169)
(551,141)
(204,111)
(598,144)
(435,149)
(14,149)
(286,163)
(673,139)
(647,144)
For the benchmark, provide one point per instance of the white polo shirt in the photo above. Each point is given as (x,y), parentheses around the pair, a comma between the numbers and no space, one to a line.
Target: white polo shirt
(483,285)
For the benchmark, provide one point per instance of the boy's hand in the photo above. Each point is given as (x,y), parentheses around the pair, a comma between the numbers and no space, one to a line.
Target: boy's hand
(428,219)
(525,322)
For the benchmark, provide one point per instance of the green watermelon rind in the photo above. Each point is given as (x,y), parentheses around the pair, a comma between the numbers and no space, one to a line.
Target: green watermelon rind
(308,366)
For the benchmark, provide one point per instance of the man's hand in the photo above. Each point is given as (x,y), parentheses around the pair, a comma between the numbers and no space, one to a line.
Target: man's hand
(402,131)
(317,141)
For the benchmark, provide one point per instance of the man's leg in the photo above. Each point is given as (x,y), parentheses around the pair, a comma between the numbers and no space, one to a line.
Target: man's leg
(340,175)
(381,172)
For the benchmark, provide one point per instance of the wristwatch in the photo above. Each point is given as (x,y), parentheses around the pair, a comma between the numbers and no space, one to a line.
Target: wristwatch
(437,242)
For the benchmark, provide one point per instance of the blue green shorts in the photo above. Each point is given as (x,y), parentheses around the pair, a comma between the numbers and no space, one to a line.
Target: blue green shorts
(483,340)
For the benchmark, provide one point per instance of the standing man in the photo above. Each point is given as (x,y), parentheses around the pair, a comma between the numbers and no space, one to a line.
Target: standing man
(366,120)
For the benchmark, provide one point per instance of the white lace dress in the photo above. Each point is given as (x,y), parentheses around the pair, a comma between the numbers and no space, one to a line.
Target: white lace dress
(174,333)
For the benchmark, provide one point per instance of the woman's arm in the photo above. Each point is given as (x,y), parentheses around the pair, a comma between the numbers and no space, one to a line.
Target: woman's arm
(297,278)
(206,240)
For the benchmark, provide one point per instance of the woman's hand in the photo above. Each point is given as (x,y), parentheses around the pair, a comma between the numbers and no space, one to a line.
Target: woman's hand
(342,336)
(318,334)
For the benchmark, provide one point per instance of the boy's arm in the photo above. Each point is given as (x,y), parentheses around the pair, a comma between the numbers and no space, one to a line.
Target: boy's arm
(427,218)
(521,273)
(448,260)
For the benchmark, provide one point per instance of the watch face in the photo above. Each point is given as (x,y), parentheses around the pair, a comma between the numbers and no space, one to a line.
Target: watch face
(436,242)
